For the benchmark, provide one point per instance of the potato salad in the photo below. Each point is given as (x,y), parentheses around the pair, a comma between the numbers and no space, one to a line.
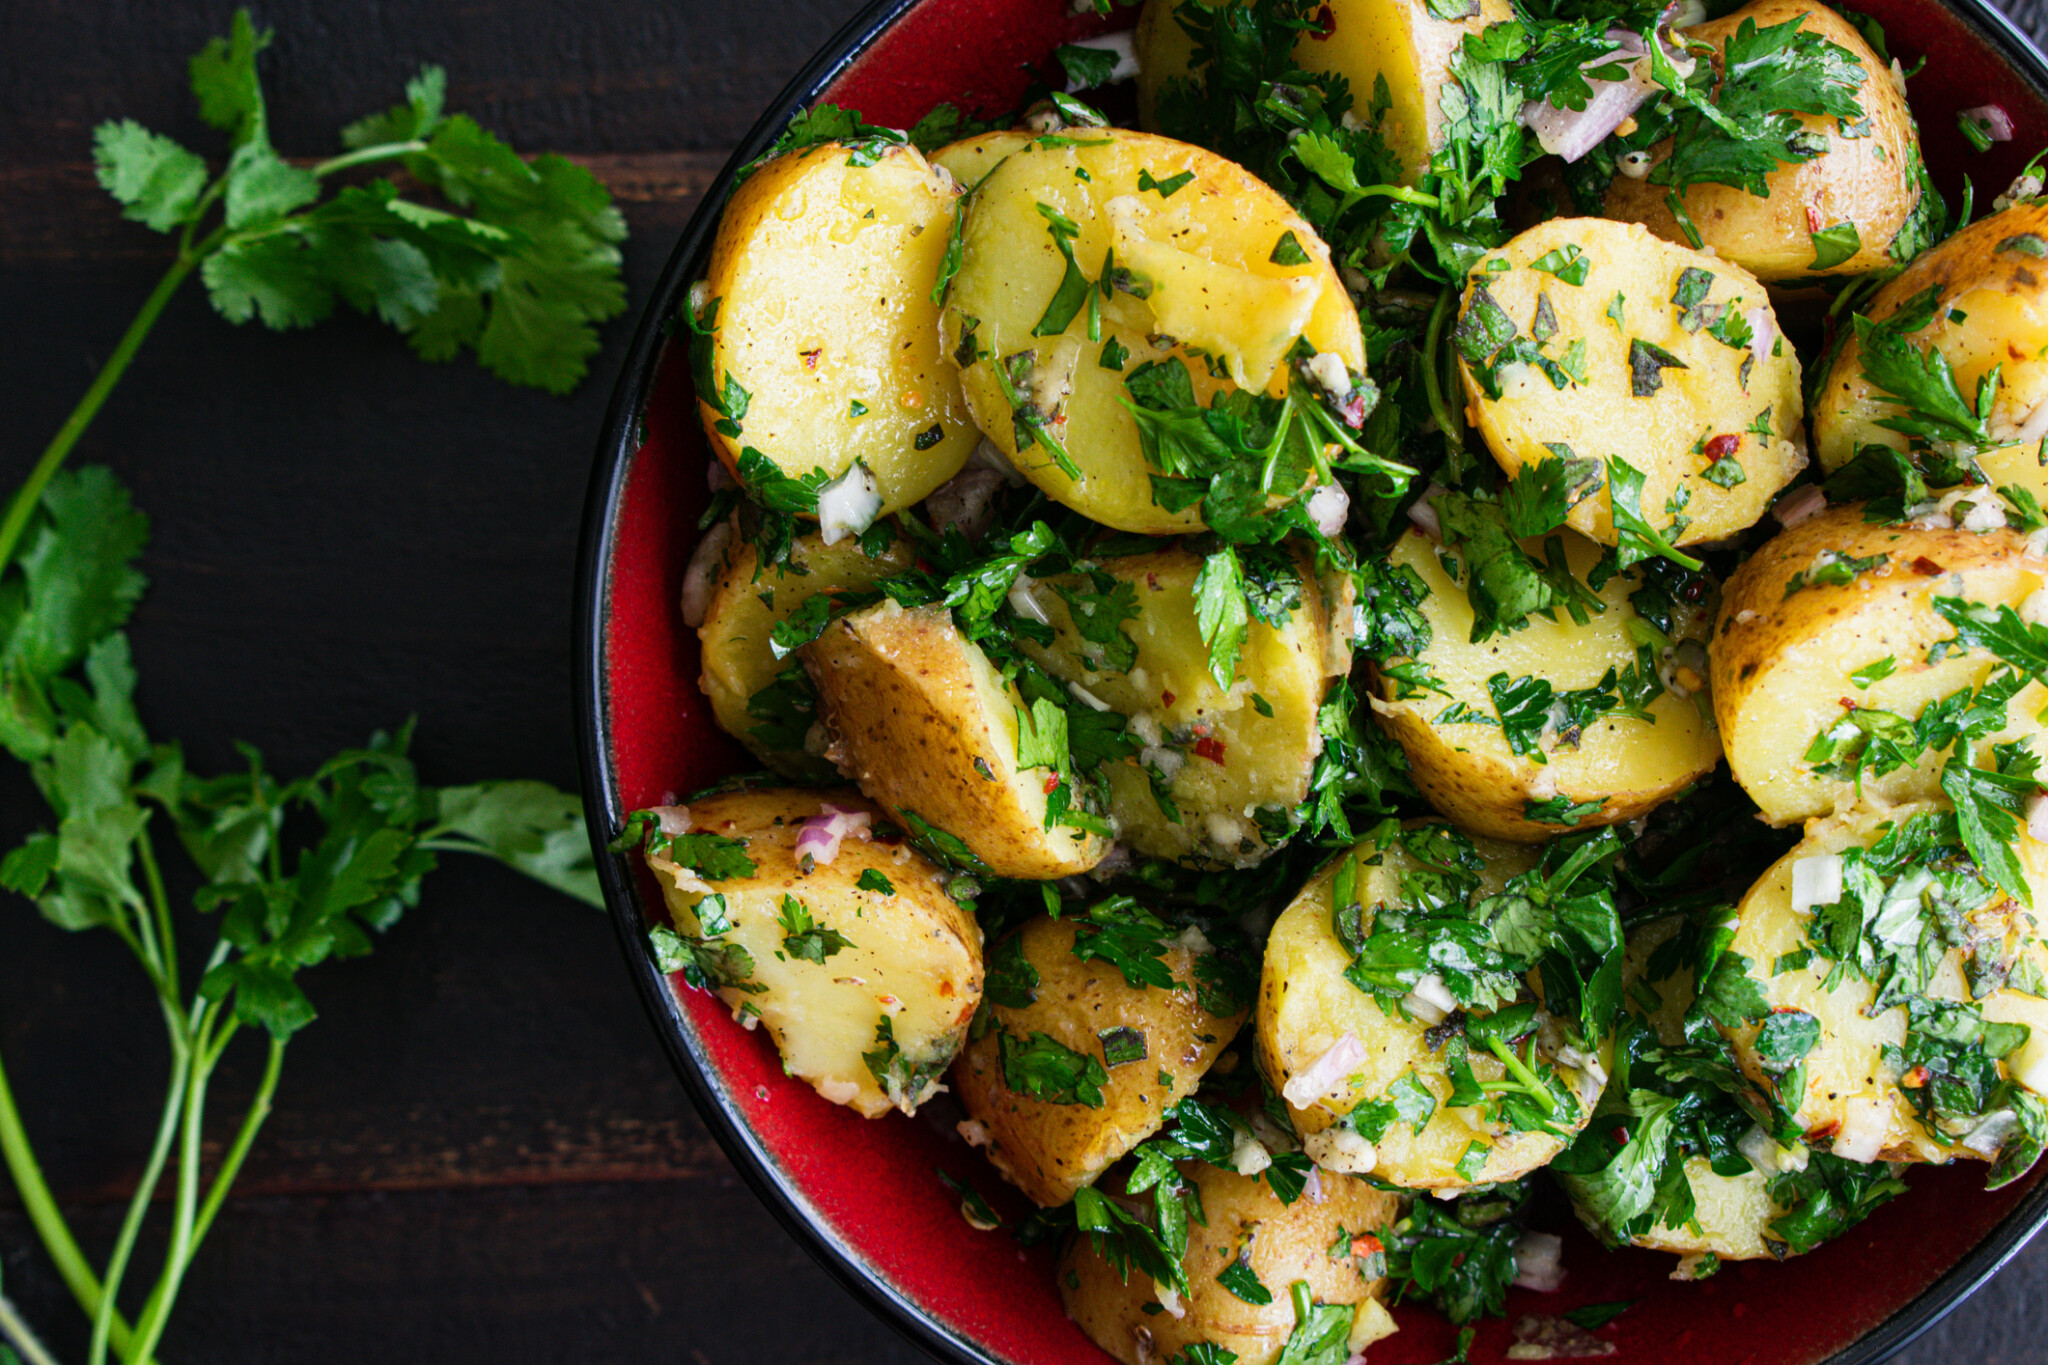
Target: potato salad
(1463,604)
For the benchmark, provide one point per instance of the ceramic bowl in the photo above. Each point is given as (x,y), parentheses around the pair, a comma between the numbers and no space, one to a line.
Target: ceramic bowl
(862,1195)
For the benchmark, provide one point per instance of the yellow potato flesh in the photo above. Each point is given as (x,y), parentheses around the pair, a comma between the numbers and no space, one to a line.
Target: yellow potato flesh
(1847,1065)
(924,723)
(913,958)
(1282,1243)
(1662,434)
(824,271)
(738,660)
(1364,41)
(1865,181)
(1232,759)
(1991,309)
(1306,1006)
(1783,663)
(1466,769)
(1049,1150)
(1206,251)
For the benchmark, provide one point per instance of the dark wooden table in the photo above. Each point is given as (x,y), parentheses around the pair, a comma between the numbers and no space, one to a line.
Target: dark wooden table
(479,1152)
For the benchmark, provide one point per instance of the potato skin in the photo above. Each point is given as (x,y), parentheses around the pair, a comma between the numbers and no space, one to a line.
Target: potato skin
(1206,254)
(1306,1006)
(1361,40)
(737,659)
(1991,308)
(1231,759)
(920,719)
(1861,180)
(1289,1242)
(1724,392)
(823,271)
(1847,1066)
(1468,772)
(914,957)
(1781,663)
(1050,1150)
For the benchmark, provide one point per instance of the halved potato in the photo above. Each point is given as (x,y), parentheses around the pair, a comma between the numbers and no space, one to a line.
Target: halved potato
(825,347)
(1198,261)
(1223,757)
(1307,1007)
(1991,308)
(1786,651)
(867,993)
(1365,41)
(918,717)
(1097,1020)
(1865,178)
(1662,357)
(1467,769)
(738,657)
(1324,1244)
(1853,1097)
(972,158)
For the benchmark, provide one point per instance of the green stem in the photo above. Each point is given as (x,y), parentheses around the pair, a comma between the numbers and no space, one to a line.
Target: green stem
(14,1329)
(252,1122)
(1531,1084)
(1432,372)
(160,902)
(1400,192)
(31,490)
(363,156)
(41,1207)
(149,1328)
(138,1205)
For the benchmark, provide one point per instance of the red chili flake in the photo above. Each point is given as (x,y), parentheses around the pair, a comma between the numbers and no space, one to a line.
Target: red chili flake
(1915,1078)
(1209,748)
(1927,568)
(1365,1244)
(1722,446)
(1166,698)
(1828,1129)
(887,834)
(1846,703)
(1812,218)
(1325,21)
(1152,581)
(811,357)
(1052,784)
(1619,1134)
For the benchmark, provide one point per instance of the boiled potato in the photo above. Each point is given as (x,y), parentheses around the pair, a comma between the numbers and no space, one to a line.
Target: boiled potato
(1868,178)
(1307,1007)
(1364,41)
(823,271)
(1991,308)
(1050,1144)
(1200,253)
(1284,1244)
(1623,369)
(1854,1098)
(867,993)
(1466,768)
(1220,756)
(1786,652)
(747,604)
(969,160)
(917,715)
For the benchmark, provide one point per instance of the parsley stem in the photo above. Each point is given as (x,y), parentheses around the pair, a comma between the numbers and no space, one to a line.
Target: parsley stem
(43,1214)
(138,1203)
(13,1329)
(252,1123)
(31,490)
(363,156)
(160,902)
(1432,372)
(1400,192)
(178,1255)
(1532,1086)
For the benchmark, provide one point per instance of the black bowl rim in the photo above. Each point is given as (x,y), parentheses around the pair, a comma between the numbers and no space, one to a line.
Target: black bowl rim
(604,815)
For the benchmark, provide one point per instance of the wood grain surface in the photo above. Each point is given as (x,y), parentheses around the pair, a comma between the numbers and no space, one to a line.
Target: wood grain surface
(479,1151)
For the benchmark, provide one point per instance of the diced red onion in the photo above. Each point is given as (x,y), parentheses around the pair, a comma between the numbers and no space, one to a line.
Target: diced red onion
(1571,133)
(1025,602)
(674,820)
(821,835)
(702,575)
(1984,516)
(965,502)
(1423,512)
(1800,505)
(1431,988)
(1312,1188)
(1991,1132)
(2037,815)
(1763,330)
(1328,507)
(1119,44)
(1321,1076)
(1996,122)
(2035,427)
(849,504)
(1539,1262)
(1816,880)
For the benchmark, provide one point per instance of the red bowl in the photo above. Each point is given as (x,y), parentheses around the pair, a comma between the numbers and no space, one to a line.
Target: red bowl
(863,1195)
